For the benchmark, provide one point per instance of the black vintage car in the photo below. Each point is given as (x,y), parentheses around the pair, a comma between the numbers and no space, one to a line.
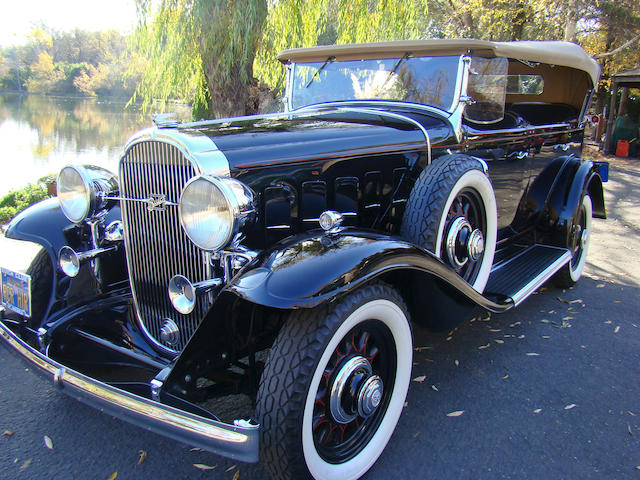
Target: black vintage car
(280,258)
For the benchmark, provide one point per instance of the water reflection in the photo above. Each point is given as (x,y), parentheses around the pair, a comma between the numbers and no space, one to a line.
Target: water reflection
(39,135)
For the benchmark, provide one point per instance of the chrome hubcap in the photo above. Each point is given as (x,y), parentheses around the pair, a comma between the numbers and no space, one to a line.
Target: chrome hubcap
(170,333)
(475,245)
(355,391)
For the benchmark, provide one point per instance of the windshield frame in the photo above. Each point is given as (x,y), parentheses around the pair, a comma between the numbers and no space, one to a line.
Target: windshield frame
(457,90)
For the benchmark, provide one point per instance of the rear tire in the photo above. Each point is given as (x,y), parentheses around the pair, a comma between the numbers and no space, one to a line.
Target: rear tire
(578,243)
(328,366)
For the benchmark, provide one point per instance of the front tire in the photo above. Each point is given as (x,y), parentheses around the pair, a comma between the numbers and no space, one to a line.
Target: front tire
(334,386)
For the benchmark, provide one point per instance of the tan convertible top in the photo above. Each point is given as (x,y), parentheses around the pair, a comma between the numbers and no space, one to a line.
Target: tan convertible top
(550,52)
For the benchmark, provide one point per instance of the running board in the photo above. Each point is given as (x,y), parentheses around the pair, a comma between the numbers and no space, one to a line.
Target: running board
(526,272)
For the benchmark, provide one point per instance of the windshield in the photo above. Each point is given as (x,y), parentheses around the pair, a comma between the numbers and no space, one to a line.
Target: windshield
(425,80)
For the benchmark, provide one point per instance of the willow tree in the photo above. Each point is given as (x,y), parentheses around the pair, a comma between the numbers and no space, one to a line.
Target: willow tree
(201,50)
(304,23)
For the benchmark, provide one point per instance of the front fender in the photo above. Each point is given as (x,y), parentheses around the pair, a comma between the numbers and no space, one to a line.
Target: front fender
(307,271)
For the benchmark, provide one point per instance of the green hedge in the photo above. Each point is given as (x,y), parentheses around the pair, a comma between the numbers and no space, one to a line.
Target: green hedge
(17,200)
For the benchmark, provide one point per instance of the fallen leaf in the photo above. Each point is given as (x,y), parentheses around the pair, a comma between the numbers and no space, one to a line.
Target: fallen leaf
(196,449)
(429,360)
(457,413)
(25,465)
(521,336)
(533,354)
(495,330)
(608,322)
(113,476)
(498,341)
(202,466)
(505,377)
(570,406)
(617,301)
(544,320)
(232,467)
(420,349)
(8,433)
(420,379)
(457,363)
(563,300)
(546,336)
(48,443)
(236,475)
(634,325)
(600,285)
(617,329)
(484,346)
(631,413)
(537,410)
(638,467)
(435,388)
(629,430)
(142,456)
(567,318)
(515,324)
(449,338)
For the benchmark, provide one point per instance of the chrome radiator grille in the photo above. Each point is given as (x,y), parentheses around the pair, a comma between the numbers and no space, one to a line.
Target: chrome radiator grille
(156,246)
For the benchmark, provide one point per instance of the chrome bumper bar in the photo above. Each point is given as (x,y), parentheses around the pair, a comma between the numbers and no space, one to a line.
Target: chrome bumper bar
(237,442)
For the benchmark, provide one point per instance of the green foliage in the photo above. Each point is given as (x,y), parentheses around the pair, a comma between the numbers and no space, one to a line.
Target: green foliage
(17,200)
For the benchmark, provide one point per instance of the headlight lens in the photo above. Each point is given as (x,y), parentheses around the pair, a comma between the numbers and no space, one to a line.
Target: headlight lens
(212,210)
(74,194)
(82,190)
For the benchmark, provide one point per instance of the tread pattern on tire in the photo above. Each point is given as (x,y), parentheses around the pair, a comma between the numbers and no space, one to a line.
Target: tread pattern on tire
(288,372)
(430,192)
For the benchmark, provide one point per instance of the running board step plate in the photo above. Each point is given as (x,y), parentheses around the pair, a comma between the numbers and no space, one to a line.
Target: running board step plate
(524,273)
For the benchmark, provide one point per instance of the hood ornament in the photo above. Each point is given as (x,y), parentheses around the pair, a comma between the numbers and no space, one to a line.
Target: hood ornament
(157,202)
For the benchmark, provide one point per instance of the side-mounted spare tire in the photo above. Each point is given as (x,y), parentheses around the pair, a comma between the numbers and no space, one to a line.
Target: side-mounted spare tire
(452,213)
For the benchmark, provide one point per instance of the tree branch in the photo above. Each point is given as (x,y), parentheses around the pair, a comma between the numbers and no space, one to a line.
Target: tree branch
(616,50)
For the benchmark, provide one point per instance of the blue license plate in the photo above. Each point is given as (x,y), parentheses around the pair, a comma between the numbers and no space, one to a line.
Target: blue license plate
(16,291)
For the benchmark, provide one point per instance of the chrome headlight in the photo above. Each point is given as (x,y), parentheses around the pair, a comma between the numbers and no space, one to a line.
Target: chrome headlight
(81,190)
(212,210)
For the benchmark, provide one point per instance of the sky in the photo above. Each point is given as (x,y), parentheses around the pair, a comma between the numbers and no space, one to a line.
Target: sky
(19,17)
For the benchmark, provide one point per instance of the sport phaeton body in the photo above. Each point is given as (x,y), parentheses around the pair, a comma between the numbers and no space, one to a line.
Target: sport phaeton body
(280,258)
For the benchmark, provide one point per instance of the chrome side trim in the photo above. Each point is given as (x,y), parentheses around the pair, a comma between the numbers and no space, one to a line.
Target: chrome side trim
(233,441)
(383,113)
(545,275)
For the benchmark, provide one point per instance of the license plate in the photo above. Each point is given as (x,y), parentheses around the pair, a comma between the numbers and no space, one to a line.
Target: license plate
(16,291)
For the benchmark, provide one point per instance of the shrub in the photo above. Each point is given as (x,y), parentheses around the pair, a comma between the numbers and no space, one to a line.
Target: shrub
(17,200)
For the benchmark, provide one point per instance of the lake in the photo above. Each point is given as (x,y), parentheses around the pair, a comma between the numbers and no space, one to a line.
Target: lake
(39,135)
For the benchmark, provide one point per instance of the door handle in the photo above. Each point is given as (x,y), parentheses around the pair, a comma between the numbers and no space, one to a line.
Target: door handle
(518,155)
(561,146)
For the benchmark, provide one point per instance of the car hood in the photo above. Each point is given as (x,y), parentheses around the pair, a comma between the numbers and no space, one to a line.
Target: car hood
(259,141)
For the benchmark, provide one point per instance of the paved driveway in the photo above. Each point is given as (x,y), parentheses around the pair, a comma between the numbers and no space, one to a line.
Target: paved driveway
(550,390)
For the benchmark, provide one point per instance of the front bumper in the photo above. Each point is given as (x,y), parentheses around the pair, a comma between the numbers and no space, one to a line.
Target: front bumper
(237,442)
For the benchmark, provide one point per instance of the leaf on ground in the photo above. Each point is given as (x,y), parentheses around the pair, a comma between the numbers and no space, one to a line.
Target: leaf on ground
(608,322)
(498,341)
(449,338)
(113,476)
(617,329)
(429,360)
(629,430)
(8,433)
(420,379)
(537,410)
(202,466)
(600,285)
(631,413)
(232,467)
(551,312)
(617,301)
(486,319)
(546,336)
(420,349)
(567,318)
(457,363)
(505,377)
(544,320)
(563,300)
(142,456)
(196,449)
(25,465)
(533,354)
(638,467)
(520,336)
(457,413)
(495,330)
(435,388)
(515,324)
(481,347)
(570,406)
(236,475)
(48,443)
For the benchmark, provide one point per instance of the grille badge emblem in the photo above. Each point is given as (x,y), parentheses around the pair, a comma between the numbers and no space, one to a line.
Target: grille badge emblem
(157,202)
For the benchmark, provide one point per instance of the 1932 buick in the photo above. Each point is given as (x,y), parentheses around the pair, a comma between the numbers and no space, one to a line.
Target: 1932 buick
(281,257)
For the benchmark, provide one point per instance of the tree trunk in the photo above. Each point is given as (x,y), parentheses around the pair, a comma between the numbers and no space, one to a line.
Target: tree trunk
(571,21)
